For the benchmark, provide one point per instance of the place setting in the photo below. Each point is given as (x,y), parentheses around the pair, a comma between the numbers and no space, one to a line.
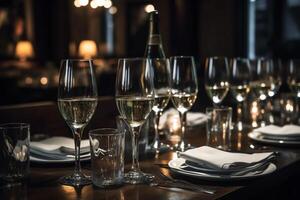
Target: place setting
(57,150)
(287,135)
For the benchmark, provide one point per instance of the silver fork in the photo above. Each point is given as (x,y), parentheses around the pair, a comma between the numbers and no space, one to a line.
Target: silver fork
(186,185)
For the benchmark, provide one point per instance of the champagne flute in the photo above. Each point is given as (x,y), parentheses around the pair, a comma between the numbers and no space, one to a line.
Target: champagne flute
(184,90)
(240,77)
(217,78)
(77,101)
(135,100)
(162,89)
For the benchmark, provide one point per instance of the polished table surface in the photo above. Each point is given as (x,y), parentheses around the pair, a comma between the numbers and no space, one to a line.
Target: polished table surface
(43,181)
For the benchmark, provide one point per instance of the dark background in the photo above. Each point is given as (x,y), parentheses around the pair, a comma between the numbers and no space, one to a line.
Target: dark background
(202,28)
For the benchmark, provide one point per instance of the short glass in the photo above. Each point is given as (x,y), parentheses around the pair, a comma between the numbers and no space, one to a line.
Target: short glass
(218,127)
(107,156)
(14,155)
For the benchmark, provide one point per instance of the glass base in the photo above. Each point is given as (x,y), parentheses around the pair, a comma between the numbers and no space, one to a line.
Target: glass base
(138,177)
(182,146)
(159,147)
(75,180)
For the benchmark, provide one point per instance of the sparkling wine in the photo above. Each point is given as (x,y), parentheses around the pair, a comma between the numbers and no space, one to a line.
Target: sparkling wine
(183,102)
(275,85)
(217,93)
(240,92)
(260,89)
(135,109)
(295,87)
(77,112)
(160,102)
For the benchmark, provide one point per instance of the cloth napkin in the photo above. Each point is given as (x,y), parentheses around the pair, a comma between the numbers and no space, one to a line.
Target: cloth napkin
(193,118)
(285,131)
(58,148)
(221,160)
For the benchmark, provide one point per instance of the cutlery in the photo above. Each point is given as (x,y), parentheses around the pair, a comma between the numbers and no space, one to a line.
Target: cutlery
(185,184)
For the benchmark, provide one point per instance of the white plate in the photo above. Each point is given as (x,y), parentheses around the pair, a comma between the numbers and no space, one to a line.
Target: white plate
(176,164)
(70,160)
(259,138)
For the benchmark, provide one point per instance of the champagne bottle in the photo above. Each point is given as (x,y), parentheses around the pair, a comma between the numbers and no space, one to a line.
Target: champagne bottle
(154,48)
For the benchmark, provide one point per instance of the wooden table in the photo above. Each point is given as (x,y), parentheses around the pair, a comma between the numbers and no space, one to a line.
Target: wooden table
(42,184)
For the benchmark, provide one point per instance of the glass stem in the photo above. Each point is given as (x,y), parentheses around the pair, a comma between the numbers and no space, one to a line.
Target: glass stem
(183,127)
(156,124)
(135,149)
(77,133)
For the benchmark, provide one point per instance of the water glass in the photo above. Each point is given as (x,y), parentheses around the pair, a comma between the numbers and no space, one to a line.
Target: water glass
(218,127)
(107,157)
(14,156)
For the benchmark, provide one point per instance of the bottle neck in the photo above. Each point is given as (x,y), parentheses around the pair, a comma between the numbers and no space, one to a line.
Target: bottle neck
(154,47)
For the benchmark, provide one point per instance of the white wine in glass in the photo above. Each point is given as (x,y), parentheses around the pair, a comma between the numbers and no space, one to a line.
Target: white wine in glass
(294,76)
(240,77)
(184,91)
(217,78)
(77,102)
(135,100)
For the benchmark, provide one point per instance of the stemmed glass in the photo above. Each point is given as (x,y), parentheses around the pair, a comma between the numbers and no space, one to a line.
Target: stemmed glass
(275,70)
(240,77)
(135,100)
(217,78)
(184,90)
(294,76)
(294,79)
(77,101)
(261,84)
(162,90)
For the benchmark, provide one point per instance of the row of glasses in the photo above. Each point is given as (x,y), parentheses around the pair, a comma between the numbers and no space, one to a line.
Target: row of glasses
(144,85)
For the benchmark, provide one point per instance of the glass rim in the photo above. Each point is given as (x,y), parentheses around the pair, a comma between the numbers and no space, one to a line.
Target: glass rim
(133,59)
(14,125)
(76,59)
(101,132)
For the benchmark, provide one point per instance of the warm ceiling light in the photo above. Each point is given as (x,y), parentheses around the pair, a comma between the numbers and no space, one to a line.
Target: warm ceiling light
(44,80)
(100,3)
(149,8)
(87,49)
(24,50)
(113,10)
(93,4)
(107,4)
(77,3)
(83,2)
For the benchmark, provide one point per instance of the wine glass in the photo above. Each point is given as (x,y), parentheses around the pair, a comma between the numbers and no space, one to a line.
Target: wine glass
(135,100)
(217,78)
(184,90)
(77,101)
(294,76)
(275,71)
(162,90)
(294,80)
(261,84)
(240,77)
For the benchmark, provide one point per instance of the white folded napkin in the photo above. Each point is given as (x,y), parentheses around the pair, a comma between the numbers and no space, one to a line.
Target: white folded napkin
(193,118)
(285,131)
(57,148)
(218,159)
